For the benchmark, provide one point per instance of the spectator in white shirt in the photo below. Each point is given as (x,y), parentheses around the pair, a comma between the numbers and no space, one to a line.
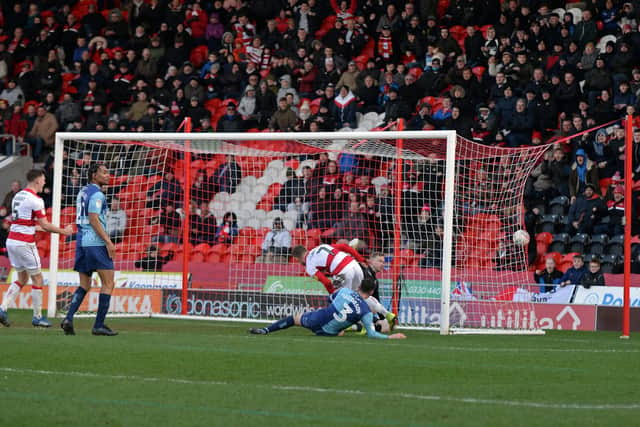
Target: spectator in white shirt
(277,243)
(116,221)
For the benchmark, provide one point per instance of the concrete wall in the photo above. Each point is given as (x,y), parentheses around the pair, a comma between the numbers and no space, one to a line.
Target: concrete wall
(12,168)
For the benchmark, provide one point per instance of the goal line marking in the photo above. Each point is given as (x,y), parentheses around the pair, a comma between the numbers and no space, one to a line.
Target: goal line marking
(322,390)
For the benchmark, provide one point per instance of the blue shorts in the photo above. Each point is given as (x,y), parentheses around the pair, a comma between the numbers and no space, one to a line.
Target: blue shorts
(314,321)
(92,258)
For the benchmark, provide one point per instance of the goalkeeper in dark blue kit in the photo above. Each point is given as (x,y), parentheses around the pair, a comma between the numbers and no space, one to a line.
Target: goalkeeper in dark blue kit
(347,307)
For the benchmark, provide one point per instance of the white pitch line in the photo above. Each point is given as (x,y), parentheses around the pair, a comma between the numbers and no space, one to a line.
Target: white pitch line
(322,390)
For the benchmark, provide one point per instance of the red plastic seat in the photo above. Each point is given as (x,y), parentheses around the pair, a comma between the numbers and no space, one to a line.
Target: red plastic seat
(543,240)
(458,32)
(313,238)
(478,72)
(604,184)
(569,257)
(198,55)
(197,257)
(298,237)
(217,252)
(565,265)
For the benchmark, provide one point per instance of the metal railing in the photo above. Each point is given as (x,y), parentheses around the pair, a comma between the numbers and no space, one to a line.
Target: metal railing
(14,143)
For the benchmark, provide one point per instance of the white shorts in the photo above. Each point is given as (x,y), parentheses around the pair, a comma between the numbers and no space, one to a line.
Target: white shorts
(352,275)
(24,256)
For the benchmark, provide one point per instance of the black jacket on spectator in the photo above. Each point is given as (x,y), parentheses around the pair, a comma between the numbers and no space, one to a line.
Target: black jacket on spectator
(546,278)
(588,211)
(396,109)
(432,82)
(592,279)
(410,94)
(229,123)
(225,178)
(567,97)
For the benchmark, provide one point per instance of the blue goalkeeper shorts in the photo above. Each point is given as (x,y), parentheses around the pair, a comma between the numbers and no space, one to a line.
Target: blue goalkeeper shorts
(92,258)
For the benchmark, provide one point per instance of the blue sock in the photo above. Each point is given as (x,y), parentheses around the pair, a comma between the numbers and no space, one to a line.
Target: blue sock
(78,297)
(103,307)
(285,323)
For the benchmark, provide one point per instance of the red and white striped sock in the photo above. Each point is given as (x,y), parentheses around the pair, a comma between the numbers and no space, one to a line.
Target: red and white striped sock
(10,295)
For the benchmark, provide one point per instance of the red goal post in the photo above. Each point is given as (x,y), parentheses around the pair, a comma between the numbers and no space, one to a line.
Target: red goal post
(475,202)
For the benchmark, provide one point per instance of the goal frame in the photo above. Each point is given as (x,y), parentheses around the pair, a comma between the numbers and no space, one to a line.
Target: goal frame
(449,136)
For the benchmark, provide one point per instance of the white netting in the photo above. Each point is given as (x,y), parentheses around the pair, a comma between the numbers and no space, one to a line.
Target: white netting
(135,196)
(387,193)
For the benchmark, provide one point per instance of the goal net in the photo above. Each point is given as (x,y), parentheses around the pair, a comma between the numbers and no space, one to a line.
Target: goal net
(205,224)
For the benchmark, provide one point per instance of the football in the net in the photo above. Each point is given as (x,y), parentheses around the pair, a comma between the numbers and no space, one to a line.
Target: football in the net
(521,238)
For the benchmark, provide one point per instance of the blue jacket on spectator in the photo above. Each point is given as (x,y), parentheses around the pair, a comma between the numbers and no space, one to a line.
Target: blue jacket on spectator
(574,275)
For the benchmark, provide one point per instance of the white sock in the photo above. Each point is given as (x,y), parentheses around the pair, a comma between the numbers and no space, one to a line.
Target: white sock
(36,301)
(10,296)
(375,306)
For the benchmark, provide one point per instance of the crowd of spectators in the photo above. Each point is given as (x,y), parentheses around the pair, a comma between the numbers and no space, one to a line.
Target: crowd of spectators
(509,73)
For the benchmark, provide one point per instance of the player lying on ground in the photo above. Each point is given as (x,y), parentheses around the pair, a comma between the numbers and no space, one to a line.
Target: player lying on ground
(94,250)
(27,211)
(347,308)
(342,263)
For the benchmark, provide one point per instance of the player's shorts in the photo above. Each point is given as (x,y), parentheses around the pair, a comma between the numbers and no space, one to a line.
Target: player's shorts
(314,321)
(353,275)
(24,256)
(92,258)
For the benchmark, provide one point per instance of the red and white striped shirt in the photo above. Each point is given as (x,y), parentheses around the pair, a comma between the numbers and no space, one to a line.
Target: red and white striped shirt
(331,259)
(26,208)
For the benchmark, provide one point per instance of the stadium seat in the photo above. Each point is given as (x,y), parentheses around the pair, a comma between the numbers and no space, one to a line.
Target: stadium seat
(615,246)
(563,222)
(313,238)
(198,56)
(569,257)
(197,257)
(610,263)
(560,11)
(327,235)
(577,14)
(559,243)
(547,223)
(298,237)
(604,184)
(407,258)
(201,247)
(597,244)
(543,240)
(217,253)
(478,71)
(458,32)
(602,43)
(578,242)
(315,105)
(559,205)
(564,266)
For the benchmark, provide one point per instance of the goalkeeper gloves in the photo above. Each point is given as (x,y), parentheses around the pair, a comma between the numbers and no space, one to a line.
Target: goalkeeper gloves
(338,282)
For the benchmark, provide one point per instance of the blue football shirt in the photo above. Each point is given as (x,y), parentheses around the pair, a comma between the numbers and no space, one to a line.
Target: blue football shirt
(348,308)
(90,200)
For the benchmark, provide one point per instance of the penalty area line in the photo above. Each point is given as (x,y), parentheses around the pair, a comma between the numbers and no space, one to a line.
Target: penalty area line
(323,390)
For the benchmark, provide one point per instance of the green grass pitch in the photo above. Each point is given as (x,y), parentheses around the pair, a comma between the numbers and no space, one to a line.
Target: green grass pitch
(192,373)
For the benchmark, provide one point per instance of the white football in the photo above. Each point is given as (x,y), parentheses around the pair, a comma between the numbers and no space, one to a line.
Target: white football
(521,238)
